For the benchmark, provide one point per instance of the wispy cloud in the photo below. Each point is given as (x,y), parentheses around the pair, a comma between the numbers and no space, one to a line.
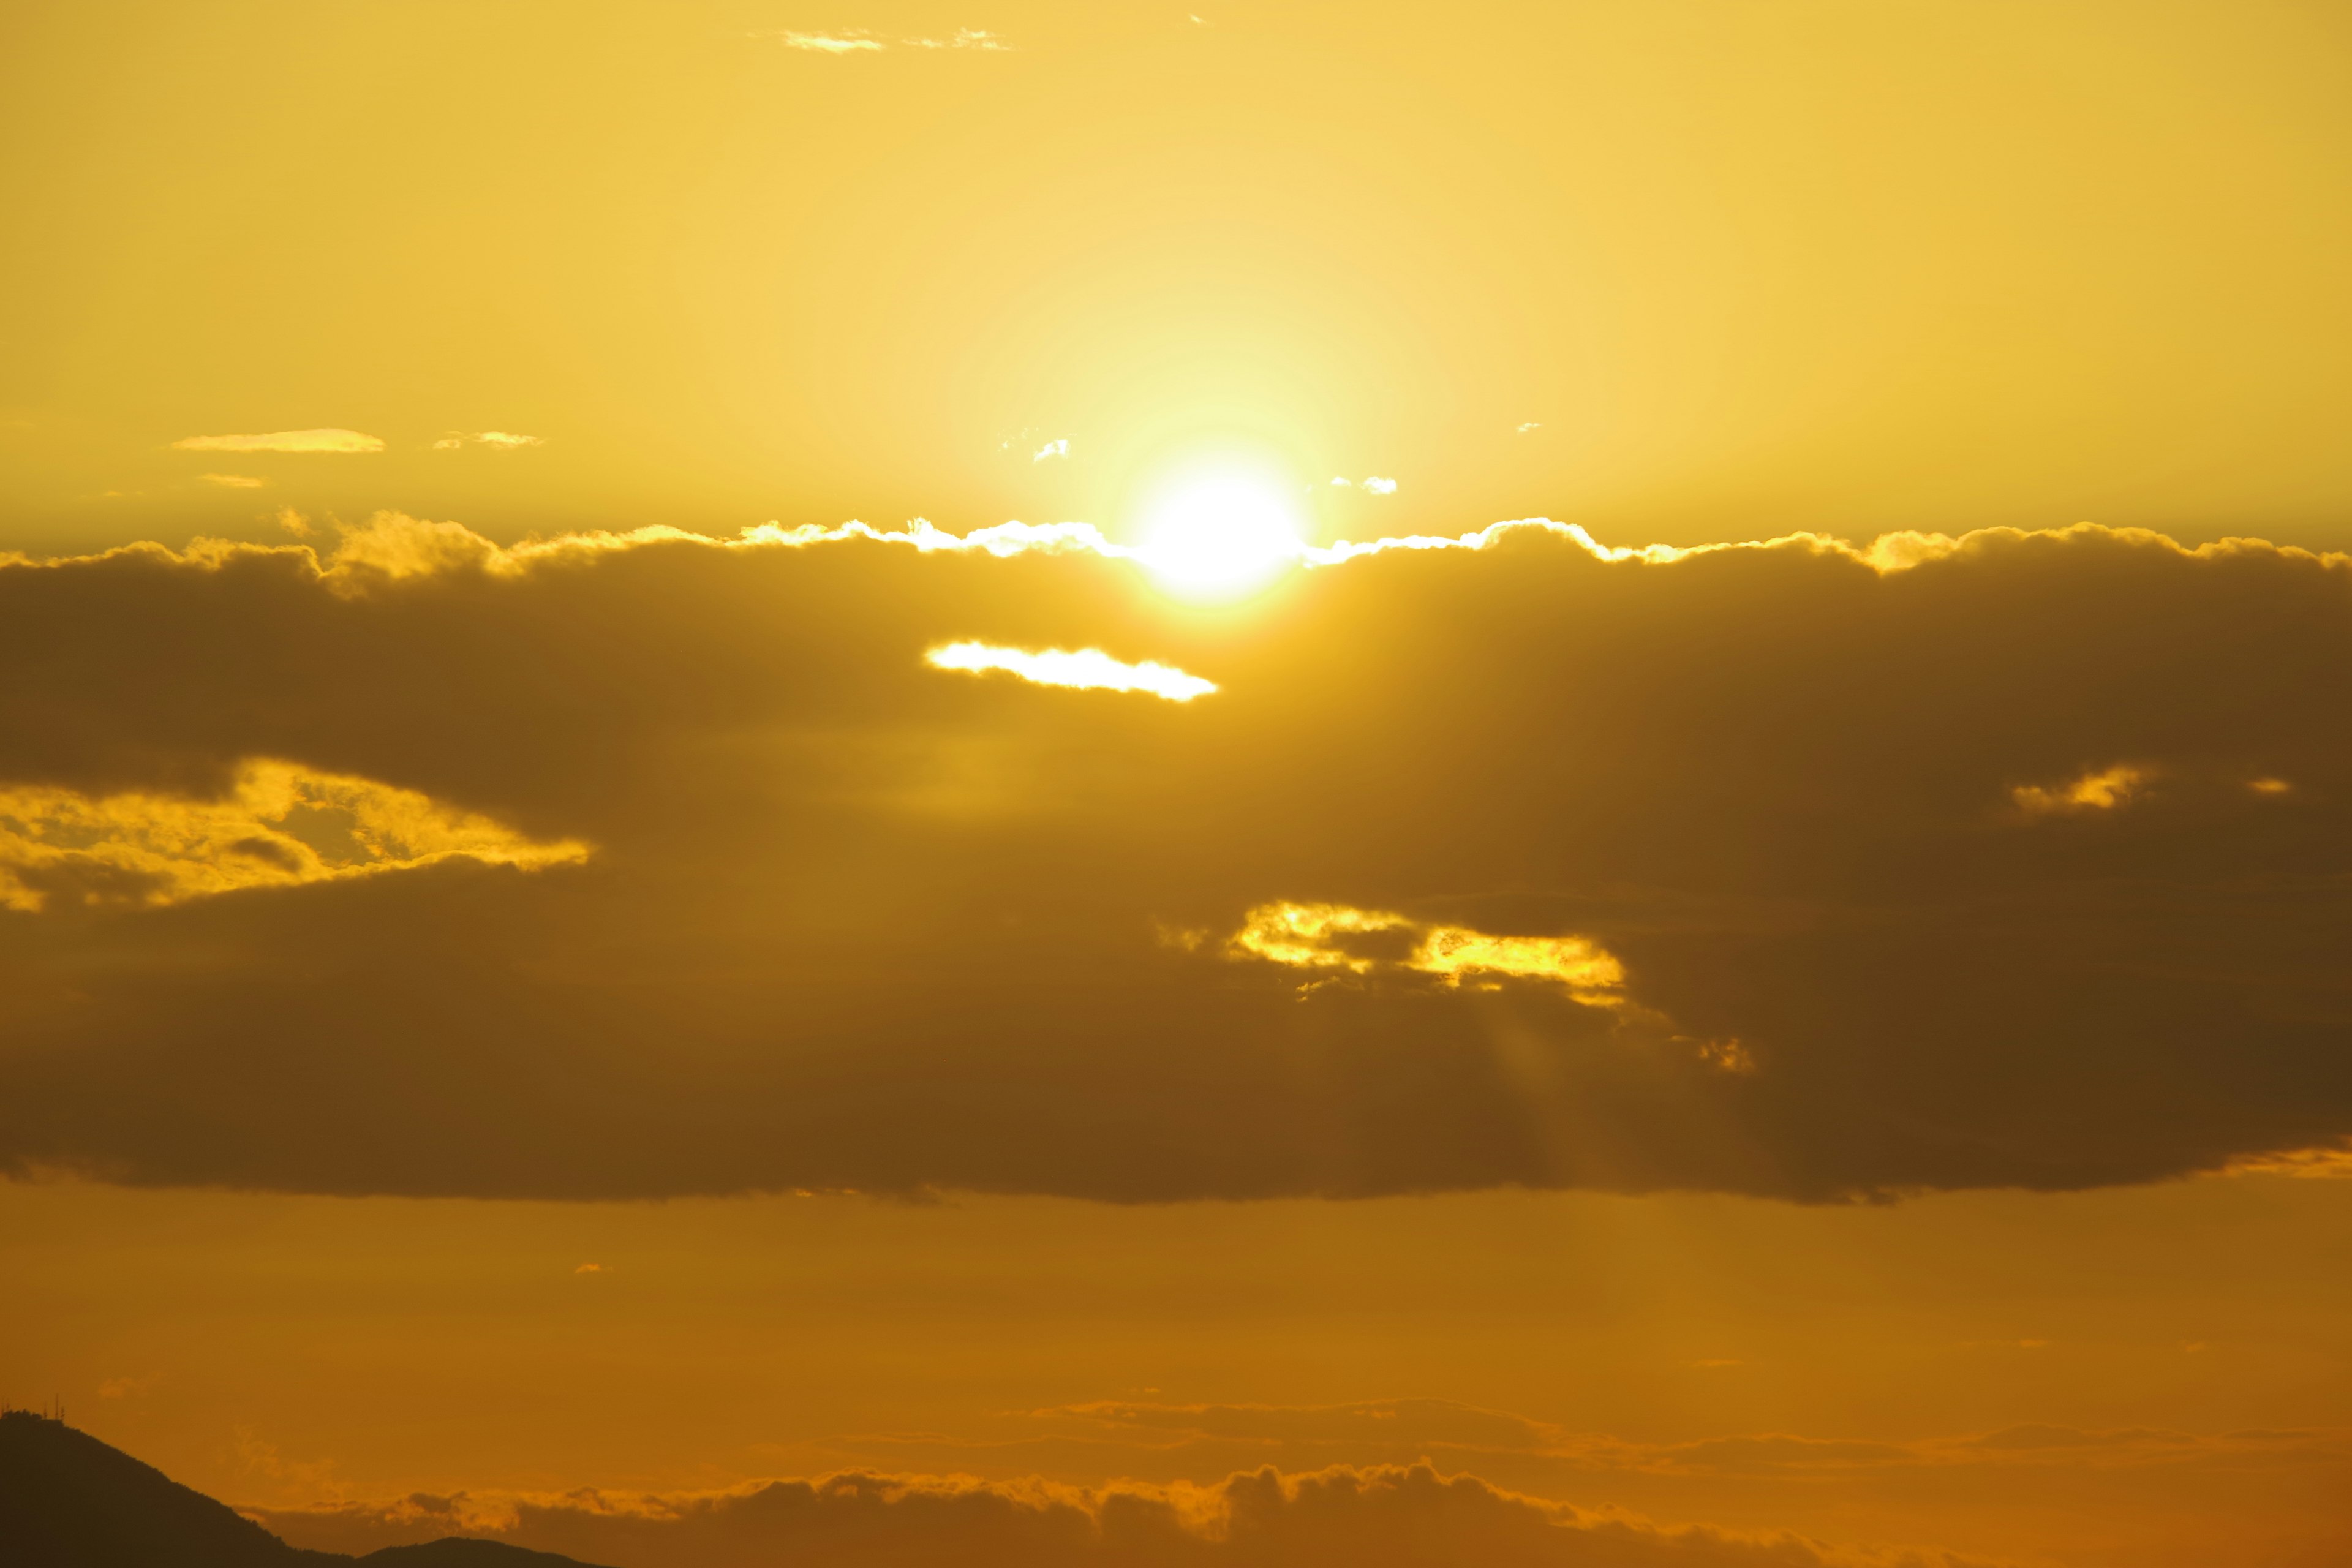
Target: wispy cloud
(1057,448)
(856,40)
(1374,483)
(1088,668)
(285,441)
(824,43)
(964,39)
(235,481)
(504,440)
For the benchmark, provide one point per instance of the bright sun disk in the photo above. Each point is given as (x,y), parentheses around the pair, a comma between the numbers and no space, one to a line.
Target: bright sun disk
(1220,535)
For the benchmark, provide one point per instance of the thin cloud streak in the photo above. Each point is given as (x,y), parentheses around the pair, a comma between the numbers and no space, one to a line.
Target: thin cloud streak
(1086,669)
(292,441)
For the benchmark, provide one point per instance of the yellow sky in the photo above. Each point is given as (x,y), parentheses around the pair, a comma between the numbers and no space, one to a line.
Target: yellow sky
(756,742)
(1742,268)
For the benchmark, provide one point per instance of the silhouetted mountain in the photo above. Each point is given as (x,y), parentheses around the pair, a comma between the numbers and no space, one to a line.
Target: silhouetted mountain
(462,1552)
(68,1501)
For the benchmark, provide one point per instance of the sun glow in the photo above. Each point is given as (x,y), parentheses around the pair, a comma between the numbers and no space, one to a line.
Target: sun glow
(1220,534)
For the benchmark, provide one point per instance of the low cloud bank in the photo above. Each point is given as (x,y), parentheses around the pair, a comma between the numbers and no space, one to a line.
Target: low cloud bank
(1374,1517)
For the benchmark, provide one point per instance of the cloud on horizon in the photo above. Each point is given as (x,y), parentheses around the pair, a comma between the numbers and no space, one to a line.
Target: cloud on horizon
(1776,788)
(1403,1516)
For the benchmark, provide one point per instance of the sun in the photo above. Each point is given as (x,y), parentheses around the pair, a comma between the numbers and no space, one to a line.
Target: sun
(1220,534)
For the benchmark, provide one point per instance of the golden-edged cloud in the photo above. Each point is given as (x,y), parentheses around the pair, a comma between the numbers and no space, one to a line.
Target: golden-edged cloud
(300,441)
(2102,789)
(279,824)
(235,481)
(1335,937)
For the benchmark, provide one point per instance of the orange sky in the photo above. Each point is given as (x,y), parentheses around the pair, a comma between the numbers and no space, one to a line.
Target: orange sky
(747,743)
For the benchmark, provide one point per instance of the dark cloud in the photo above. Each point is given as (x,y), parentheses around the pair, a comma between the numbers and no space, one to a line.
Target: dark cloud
(1375,1517)
(1883,912)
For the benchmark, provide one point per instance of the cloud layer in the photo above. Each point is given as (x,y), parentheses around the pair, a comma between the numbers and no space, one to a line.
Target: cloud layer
(1374,1517)
(1948,863)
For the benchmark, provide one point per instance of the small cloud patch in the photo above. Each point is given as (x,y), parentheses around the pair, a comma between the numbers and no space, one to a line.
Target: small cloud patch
(305,441)
(964,39)
(2102,790)
(498,440)
(1055,449)
(1087,668)
(856,40)
(825,43)
(1359,942)
(235,481)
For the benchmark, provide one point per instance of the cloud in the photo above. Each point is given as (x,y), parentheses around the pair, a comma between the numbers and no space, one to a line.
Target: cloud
(284,441)
(1772,782)
(501,440)
(964,39)
(1371,1517)
(2103,790)
(1056,449)
(848,43)
(234,482)
(279,824)
(1531,425)
(1377,486)
(1317,936)
(2329,1163)
(1088,668)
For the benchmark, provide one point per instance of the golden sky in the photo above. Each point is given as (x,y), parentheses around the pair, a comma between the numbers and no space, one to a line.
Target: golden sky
(1554,785)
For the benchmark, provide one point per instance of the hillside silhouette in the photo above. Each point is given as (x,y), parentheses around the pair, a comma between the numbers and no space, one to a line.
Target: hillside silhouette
(68,1501)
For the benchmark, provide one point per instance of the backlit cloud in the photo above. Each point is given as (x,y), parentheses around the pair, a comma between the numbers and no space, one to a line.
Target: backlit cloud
(284,441)
(1054,448)
(1087,668)
(1332,936)
(280,824)
(235,481)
